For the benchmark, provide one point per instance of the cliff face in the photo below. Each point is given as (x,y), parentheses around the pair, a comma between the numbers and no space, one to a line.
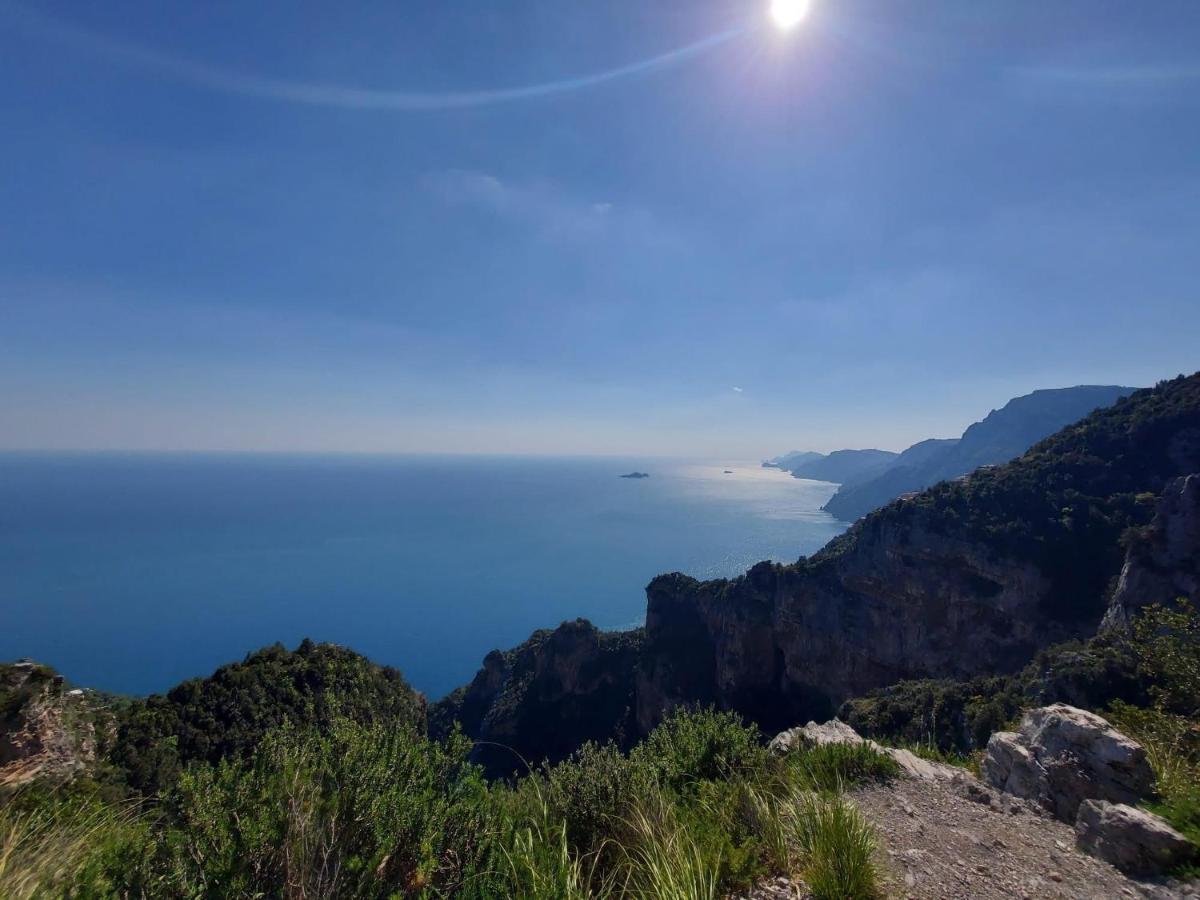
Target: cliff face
(788,643)
(1163,561)
(45,730)
(546,697)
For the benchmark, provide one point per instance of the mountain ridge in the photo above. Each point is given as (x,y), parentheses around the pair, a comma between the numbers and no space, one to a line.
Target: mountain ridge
(1002,435)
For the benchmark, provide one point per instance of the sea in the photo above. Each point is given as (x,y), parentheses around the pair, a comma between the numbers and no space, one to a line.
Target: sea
(132,572)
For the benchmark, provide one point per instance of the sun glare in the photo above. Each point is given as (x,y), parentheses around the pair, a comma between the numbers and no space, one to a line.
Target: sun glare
(787,14)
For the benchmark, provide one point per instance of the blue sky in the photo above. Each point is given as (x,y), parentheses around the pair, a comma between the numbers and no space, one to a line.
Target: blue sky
(586,227)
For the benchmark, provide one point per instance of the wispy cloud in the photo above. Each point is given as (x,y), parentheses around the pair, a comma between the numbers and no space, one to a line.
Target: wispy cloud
(541,205)
(265,88)
(550,209)
(1102,79)
(737,390)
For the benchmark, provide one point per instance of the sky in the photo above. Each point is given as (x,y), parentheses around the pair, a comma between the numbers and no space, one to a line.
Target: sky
(595,227)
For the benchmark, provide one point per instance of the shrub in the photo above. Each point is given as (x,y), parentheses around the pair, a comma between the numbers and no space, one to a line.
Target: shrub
(228,714)
(541,864)
(1172,745)
(360,812)
(1166,642)
(1167,646)
(591,793)
(696,745)
(363,810)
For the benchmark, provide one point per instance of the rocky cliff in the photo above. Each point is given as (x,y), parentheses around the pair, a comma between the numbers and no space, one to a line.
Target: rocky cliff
(544,698)
(46,729)
(786,643)
(1163,560)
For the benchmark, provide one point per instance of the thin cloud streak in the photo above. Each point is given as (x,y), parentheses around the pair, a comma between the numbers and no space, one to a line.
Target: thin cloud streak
(1099,77)
(338,96)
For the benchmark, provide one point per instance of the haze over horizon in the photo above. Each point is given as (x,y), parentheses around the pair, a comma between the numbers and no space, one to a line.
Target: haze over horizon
(590,228)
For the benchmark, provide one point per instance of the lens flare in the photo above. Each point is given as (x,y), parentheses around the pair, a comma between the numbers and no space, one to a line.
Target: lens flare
(787,14)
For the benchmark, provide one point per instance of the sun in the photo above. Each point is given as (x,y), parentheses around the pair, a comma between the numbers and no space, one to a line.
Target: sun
(787,14)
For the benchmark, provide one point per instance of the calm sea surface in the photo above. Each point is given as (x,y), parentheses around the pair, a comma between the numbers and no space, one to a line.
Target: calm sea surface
(132,572)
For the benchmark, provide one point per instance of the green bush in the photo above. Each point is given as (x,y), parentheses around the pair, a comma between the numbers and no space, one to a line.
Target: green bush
(1166,641)
(697,745)
(352,809)
(591,793)
(1167,646)
(957,717)
(229,713)
(358,812)
(1172,745)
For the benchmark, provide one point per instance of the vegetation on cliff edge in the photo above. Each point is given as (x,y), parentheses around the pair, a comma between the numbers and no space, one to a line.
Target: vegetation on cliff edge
(373,810)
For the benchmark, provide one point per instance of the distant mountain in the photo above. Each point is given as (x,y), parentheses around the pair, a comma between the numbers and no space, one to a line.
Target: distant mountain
(796,458)
(1003,435)
(840,466)
(924,452)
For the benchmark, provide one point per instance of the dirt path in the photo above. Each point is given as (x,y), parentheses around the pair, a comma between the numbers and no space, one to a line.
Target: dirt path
(945,836)
(944,840)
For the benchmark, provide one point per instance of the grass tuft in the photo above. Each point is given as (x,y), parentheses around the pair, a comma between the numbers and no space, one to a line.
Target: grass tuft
(823,838)
(665,861)
(832,767)
(46,850)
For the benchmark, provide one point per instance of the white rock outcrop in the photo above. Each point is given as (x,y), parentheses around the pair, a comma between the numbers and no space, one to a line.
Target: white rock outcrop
(1063,756)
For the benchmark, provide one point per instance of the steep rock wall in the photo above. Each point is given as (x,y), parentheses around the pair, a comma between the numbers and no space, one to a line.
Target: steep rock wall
(785,643)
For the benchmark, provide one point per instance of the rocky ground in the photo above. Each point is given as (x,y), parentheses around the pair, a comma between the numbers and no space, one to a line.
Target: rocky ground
(944,834)
(958,839)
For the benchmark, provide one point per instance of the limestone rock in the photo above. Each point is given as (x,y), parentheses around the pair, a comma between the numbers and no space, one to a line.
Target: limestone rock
(1063,756)
(835,731)
(43,729)
(1133,840)
(1163,562)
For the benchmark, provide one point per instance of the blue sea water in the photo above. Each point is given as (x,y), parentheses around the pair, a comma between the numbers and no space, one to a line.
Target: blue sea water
(132,572)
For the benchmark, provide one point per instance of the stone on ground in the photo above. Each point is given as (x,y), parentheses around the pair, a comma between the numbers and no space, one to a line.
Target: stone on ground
(1133,840)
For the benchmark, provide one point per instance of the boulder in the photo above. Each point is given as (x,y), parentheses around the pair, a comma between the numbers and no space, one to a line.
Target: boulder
(1063,756)
(835,731)
(1133,840)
